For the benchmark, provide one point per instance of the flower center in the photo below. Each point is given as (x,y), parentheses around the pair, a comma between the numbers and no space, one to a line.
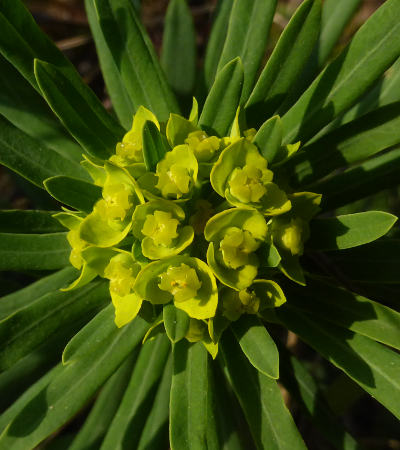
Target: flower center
(203,146)
(247,184)
(182,282)
(236,246)
(161,227)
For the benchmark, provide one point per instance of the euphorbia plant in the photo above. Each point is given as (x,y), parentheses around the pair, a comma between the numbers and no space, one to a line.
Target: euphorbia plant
(189,240)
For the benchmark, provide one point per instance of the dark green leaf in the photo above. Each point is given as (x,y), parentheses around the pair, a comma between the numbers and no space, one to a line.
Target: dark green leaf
(350,230)
(178,54)
(286,62)
(103,411)
(223,99)
(79,110)
(131,415)
(29,327)
(155,431)
(373,49)
(30,159)
(28,221)
(378,262)
(303,388)
(361,181)
(246,38)
(154,147)
(135,57)
(28,111)
(33,251)
(116,89)
(176,322)
(347,145)
(73,192)
(73,385)
(257,345)
(13,302)
(348,310)
(269,138)
(269,420)
(373,366)
(188,407)
(216,40)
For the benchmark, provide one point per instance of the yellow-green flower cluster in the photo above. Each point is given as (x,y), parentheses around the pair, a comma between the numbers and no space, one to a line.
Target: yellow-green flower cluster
(201,231)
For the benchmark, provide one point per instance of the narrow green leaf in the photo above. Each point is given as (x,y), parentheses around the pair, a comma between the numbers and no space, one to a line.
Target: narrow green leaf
(176,322)
(71,387)
(188,407)
(11,303)
(348,310)
(377,262)
(28,111)
(73,192)
(346,145)
(154,147)
(385,91)
(30,159)
(22,41)
(216,40)
(135,57)
(178,53)
(232,428)
(303,388)
(26,398)
(361,181)
(116,89)
(269,138)
(29,327)
(16,380)
(155,431)
(33,251)
(246,38)
(79,110)
(373,49)
(131,415)
(269,420)
(79,347)
(223,99)
(28,221)
(286,62)
(373,366)
(106,405)
(336,14)
(257,345)
(350,230)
